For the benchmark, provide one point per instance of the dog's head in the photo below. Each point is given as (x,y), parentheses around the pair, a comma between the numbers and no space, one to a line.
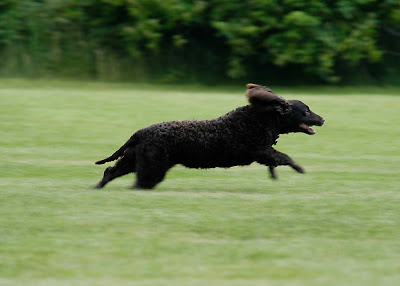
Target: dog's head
(296,116)
(301,118)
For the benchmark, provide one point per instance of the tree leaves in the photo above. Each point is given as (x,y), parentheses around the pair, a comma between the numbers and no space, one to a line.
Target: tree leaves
(321,38)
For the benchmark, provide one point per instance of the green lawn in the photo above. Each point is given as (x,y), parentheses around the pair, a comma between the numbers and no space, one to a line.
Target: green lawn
(338,224)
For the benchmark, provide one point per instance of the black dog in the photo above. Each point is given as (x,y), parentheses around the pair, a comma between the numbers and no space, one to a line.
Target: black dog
(240,137)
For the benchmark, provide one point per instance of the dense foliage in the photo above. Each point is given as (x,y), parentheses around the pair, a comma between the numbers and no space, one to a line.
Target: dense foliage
(215,40)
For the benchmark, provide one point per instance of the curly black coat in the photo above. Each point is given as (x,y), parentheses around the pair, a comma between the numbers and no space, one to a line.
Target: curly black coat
(240,137)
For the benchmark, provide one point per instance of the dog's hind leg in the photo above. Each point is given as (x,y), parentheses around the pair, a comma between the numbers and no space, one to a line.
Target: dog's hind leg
(148,178)
(151,169)
(124,165)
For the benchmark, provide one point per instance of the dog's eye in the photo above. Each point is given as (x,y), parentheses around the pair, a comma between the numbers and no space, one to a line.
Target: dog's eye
(307,112)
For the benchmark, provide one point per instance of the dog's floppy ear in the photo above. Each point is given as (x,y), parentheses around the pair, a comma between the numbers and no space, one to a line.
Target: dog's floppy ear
(264,99)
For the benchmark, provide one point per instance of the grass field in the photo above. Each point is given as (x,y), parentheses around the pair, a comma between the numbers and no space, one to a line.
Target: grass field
(338,224)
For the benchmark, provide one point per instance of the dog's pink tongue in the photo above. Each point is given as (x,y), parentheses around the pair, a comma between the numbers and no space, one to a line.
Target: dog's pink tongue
(308,128)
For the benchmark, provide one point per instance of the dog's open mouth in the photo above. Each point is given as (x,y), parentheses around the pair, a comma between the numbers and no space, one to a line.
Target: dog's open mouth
(307,128)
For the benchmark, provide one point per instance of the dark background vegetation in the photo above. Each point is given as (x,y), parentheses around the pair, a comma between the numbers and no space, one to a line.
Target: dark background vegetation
(216,41)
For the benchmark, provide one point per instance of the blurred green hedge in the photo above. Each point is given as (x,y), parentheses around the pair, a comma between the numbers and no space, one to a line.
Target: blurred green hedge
(209,41)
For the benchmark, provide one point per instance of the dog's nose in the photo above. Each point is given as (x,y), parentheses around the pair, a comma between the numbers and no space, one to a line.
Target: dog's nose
(323,121)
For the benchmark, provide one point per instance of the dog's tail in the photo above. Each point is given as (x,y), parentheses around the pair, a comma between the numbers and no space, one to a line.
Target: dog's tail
(132,141)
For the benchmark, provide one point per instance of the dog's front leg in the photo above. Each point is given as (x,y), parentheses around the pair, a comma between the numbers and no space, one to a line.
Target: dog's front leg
(274,158)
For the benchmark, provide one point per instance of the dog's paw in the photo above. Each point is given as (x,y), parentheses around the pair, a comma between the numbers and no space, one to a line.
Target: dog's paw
(298,168)
(272,172)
